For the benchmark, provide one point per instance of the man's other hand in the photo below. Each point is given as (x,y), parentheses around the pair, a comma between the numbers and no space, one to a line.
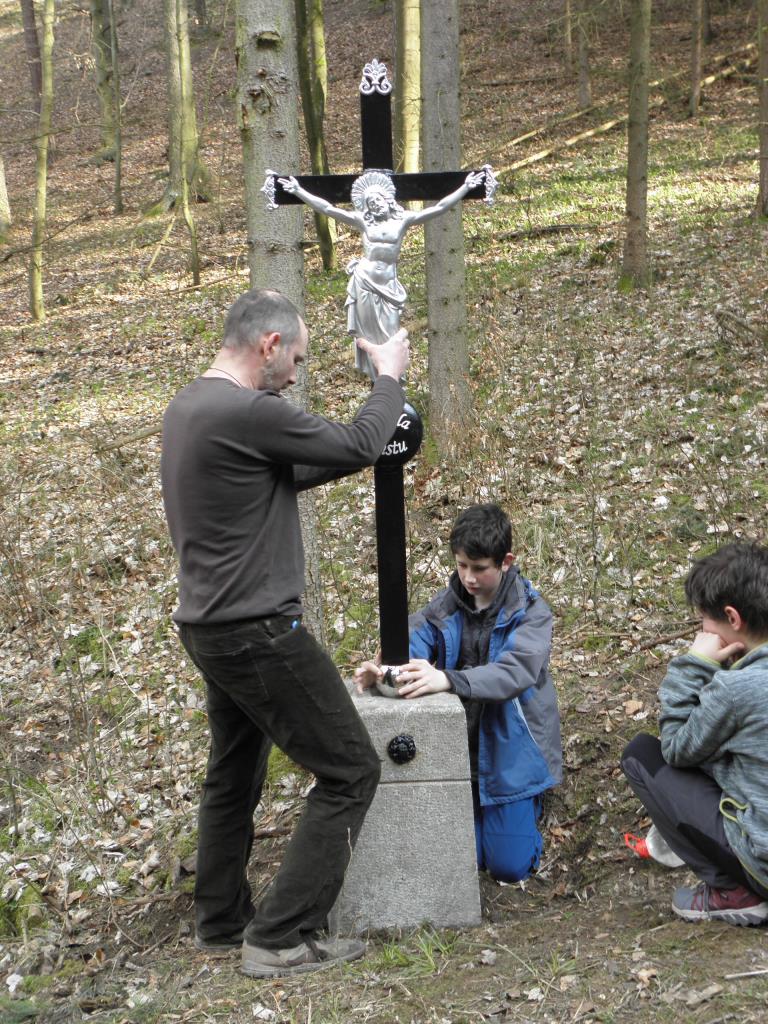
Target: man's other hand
(390,359)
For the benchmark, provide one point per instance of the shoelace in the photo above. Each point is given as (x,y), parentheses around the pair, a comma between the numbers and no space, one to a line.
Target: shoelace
(318,953)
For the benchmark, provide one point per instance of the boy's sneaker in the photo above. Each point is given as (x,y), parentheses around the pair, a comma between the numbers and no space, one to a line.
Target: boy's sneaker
(738,906)
(312,955)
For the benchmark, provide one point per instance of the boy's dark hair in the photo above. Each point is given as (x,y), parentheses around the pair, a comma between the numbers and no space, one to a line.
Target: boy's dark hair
(736,575)
(482,531)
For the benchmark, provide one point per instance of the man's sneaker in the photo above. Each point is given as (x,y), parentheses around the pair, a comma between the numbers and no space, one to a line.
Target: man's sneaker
(733,906)
(219,945)
(312,955)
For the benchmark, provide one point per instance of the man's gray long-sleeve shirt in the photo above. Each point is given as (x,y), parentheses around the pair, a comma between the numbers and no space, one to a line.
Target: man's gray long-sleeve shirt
(233,460)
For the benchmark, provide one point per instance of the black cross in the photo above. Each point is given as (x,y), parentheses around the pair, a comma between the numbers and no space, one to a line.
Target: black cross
(376,130)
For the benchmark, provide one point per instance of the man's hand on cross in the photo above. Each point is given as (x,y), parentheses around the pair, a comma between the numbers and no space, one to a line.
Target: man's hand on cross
(390,359)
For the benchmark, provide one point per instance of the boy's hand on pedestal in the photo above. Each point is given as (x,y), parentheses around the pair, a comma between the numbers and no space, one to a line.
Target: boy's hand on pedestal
(367,675)
(418,678)
(710,645)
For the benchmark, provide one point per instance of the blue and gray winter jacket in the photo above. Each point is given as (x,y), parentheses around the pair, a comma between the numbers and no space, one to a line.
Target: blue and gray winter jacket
(519,750)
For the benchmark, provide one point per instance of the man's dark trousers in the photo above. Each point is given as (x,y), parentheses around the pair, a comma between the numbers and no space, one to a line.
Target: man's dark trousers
(268,681)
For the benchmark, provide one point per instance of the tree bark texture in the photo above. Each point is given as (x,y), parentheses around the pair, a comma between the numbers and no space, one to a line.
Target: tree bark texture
(183,142)
(36,304)
(186,172)
(313,77)
(118,124)
(5,206)
(762,80)
(32,45)
(267,92)
(697,46)
(101,48)
(407,92)
(585,83)
(635,267)
(443,237)
(568,32)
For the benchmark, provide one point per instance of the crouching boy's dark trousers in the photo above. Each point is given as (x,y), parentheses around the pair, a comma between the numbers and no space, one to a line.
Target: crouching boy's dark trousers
(684,805)
(268,681)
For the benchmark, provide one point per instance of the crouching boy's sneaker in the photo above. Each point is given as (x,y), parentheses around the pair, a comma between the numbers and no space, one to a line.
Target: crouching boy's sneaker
(738,906)
(312,955)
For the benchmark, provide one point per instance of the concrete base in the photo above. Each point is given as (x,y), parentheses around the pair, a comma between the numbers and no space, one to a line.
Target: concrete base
(414,861)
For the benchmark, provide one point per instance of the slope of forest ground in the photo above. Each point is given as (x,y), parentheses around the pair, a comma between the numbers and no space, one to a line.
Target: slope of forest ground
(624,433)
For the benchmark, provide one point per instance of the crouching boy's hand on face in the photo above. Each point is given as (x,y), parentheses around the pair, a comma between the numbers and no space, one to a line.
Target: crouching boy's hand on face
(710,645)
(418,678)
(367,675)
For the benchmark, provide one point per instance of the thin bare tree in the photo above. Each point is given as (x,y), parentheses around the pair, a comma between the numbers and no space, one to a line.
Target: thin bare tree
(5,206)
(635,266)
(183,140)
(407,92)
(582,28)
(101,48)
(697,47)
(36,304)
(449,399)
(313,78)
(568,32)
(762,79)
(32,44)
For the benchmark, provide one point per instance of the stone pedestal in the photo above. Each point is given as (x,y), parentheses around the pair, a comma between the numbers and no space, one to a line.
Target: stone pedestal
(415,860)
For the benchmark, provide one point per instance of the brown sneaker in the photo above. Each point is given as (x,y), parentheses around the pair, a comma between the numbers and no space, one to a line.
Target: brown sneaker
(312,955)
(738,906)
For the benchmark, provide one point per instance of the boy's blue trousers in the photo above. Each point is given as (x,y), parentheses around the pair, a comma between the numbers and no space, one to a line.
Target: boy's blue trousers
(507,838)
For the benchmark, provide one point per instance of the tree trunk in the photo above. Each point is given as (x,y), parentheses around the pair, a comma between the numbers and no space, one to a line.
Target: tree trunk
(443,237)
(568,33)
(36,305)
(186,172)
(697,44)
(407,121)
(5,207)
(585,84)
(101,48)
(32,45)
(762,80)
(267,92)
(182,124)
(313,76)
(635,268)
(115,61)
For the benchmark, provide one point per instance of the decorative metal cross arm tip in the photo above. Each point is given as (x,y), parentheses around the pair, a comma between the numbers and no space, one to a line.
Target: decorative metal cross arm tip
(491,184)
(269,188)
(375,79)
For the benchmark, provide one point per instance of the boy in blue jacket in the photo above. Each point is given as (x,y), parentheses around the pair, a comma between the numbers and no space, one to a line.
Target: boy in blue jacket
(705,782)
(487,638)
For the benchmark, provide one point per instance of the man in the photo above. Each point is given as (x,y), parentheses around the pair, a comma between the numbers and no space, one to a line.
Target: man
(234,455)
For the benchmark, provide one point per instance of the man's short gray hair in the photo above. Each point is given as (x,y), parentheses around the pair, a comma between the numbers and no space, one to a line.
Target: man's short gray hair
(257,312)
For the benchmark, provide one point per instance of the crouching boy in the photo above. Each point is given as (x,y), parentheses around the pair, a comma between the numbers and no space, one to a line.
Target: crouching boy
(705,783)
(486,638)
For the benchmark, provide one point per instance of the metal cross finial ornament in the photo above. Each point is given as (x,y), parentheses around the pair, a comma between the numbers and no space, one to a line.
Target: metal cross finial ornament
(376,298)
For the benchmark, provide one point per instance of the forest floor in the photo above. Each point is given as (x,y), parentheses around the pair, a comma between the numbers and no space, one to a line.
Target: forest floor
(624,431)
